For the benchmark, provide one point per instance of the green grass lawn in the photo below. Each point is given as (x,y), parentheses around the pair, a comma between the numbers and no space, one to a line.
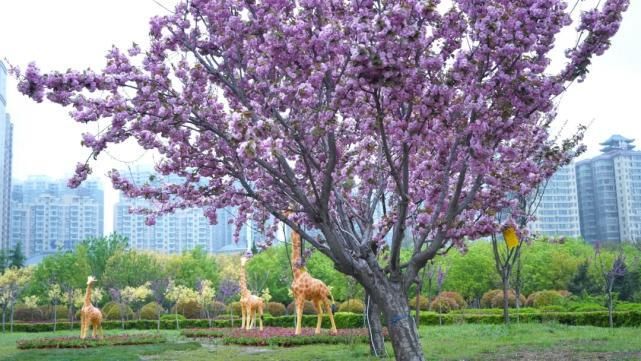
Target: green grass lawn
(457,342)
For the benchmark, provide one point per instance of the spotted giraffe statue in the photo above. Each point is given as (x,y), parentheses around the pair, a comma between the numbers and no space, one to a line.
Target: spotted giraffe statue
(90,315)
(249,304)
(305,287)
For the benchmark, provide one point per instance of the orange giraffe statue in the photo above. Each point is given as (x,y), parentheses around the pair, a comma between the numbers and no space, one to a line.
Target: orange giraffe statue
(305,287)
(90,315)
(249,303)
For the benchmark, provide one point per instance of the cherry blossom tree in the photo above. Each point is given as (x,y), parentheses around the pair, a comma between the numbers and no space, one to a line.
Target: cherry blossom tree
(360,119)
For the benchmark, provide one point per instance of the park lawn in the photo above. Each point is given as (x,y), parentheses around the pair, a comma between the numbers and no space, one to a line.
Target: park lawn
(455,342)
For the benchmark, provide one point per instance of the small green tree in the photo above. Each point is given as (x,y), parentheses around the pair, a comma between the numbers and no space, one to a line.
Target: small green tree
(16,256)
(136,297)
(205,297)
(55,297)
(179,294)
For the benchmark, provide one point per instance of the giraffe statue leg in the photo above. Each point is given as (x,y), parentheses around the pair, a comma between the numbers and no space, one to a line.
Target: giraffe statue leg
(260,319)
(94,329)
(83,328)
(242,313)
(299,315)
(252,318)
(331,317)
(319,315)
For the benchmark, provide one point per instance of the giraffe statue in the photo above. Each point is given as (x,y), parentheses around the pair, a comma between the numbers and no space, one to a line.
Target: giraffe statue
(90,315)
(249,304)
(305,287)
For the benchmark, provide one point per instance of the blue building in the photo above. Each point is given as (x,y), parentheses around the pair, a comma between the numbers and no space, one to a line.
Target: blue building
(609,188)
(180,231)
(6,135)
(557,213)
(47,216)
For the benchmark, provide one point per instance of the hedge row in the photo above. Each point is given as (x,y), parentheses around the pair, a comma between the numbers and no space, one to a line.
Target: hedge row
(76,342)
(342,319)
(351,320)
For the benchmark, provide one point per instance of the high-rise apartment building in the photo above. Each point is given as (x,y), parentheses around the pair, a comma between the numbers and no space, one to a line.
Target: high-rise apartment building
(180,231)
(47,216)
(609,188)
(6,134)
(557,212)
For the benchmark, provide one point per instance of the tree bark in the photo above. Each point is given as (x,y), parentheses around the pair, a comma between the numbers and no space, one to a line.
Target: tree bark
(12,308)
(55,317)
(506,301)
(401,326)
(375,327)
(610,320)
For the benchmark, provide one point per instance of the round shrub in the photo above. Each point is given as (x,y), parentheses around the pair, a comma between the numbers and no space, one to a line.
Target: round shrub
(460,301)
(564,293)
(352,305)
(423,303)
(308,308)
(486,299)
(114,312)
(275,309)
(62,313)
(24,313)
(442,304)
(217,308)
(190,309)
(544,298)
(150,311)
(172,317)
(234,307)
(497,300)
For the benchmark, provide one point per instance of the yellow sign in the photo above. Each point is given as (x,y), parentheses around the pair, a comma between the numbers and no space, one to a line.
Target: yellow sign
(511,239)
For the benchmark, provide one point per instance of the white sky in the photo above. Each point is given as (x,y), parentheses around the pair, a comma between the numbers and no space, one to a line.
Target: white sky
(65,34)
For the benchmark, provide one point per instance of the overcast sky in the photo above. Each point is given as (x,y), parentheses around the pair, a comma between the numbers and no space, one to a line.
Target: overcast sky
(65,34)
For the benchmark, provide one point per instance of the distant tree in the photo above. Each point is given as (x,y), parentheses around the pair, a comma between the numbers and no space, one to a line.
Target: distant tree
(582,284)
(132,268)
(16,256)
(98,250)
(192,266)
(611,272)
(158,292)
(4,260)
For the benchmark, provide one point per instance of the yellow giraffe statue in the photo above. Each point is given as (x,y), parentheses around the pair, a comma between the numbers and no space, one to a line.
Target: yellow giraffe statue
(249,304)
(90,315)
(305,287)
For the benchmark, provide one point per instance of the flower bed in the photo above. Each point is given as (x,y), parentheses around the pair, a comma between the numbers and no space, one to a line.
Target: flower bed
(77,342)
(280,336)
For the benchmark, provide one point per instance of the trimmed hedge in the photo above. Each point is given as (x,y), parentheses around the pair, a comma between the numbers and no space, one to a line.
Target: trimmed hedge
(150,311)
(544,298)
(351,320)
(352,305)
(443,304)
(113,311)
(77,342)
(423,303)
(275,309)
(308,308)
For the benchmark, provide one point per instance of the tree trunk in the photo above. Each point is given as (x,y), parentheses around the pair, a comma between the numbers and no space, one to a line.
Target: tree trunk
(4,317)
(506,301)
(611,321)
(55,317)
(12,308)
(158,322)
(375,328)
(400,324)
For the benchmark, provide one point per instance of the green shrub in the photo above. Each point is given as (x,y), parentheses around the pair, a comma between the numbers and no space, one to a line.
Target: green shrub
(497,299)
(486,299)
(62,313)
(423,303)
(191,309)
(235,308)
(75,342)
(172,317)
(627,307)
(442,304)
(552,308)
(352,305)
(544,298)
(275,309)
(586,307)
(460,301)
(150,311)
(24,313)
(218,308)
(308,308)
(113,311)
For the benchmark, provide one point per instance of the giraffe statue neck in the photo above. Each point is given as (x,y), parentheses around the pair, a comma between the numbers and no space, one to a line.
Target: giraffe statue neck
(88,295)
(296,260)
(244,292)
